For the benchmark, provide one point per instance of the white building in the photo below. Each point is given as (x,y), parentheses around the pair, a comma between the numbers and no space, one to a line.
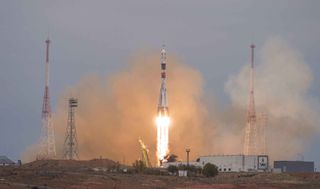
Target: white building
(229,163)
(5,161)
(180,163)
(236,163)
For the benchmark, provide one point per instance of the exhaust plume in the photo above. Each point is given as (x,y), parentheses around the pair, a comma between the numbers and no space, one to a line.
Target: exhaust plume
(115,111)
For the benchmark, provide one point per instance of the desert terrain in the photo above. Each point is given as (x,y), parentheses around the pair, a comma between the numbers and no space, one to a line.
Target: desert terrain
(103,173)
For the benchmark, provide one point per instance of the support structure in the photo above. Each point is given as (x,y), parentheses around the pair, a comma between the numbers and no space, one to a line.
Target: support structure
(47,140)
(250,140)
(188,151)
(71,143)
(145,154)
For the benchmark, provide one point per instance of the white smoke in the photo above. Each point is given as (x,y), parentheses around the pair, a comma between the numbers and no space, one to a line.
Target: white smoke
(282,80)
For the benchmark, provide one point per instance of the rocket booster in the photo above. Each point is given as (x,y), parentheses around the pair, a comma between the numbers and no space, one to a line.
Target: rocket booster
(163,119)
(163,101)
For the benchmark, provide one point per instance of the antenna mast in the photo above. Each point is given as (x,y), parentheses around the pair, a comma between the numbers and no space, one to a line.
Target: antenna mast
(47,141)
(250,141)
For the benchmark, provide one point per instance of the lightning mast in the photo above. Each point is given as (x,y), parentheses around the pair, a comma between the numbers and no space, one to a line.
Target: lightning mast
(262,121)
(163,120)
(250,141)
(70,143)
(47,141)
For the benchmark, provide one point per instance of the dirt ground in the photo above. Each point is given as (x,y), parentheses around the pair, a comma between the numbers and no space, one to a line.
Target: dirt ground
(100,174)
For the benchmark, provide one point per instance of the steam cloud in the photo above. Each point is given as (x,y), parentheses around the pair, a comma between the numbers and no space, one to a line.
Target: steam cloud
(282,80)
(115,111)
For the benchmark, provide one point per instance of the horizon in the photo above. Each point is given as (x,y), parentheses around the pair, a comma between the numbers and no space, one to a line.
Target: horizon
(209,40)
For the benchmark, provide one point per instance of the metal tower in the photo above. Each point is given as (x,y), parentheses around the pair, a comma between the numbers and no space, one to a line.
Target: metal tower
(262,121)
(145,154)
(250,140)
(70,143)
(47,141)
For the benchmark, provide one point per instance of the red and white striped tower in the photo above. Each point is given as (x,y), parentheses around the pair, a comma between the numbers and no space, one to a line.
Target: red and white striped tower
(250,140)
(47,141)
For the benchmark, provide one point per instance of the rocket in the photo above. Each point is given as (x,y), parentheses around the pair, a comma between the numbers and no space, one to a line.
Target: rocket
(163,119)
(163,109)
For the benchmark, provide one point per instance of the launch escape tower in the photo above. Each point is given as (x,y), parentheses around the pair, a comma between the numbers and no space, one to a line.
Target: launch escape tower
(47,140)
(70,143)
(163,119)
(250,140)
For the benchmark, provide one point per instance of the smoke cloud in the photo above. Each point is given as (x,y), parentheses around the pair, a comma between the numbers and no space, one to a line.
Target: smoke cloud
(115,111)
(282,80)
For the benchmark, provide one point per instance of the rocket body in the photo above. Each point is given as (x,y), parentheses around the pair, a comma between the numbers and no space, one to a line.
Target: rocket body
(163,101)
(163,119)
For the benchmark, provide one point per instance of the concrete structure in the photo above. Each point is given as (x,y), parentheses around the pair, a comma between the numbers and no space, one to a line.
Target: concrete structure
(182,173)
(294,166)
(237,163)
(230,163)
(180,163)
(5,161)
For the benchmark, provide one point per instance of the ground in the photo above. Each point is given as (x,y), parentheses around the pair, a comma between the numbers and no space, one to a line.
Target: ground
(101,174)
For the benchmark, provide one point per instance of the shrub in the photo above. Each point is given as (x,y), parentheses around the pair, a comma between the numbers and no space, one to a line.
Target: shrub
(173,169)
(154,171)
(139,166)
(182,167)
(210,170)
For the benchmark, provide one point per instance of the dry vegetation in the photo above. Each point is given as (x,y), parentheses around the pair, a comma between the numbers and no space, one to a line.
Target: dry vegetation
(103,173)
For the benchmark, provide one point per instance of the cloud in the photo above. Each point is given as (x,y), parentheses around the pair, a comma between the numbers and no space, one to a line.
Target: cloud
(282,80)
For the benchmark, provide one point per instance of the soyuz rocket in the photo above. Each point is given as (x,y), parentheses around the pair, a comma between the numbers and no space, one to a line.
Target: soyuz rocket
(163,109)
(163,119)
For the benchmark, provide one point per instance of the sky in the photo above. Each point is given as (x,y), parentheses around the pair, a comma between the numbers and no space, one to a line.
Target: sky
(99,36)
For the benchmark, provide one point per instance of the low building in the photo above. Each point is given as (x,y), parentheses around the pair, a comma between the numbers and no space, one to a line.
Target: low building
(229,163)
(237,163)
(294,166)
(180,163)
(5,161)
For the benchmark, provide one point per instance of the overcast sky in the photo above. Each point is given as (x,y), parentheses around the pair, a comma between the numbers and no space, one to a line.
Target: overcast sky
(99,36)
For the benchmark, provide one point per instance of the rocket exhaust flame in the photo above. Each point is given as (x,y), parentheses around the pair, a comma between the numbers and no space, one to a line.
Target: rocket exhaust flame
(163,123)
(163,119)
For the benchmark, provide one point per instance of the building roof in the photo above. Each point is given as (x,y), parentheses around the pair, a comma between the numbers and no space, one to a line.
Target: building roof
(295,161)
(5,160)
(231,155)
(294,166)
